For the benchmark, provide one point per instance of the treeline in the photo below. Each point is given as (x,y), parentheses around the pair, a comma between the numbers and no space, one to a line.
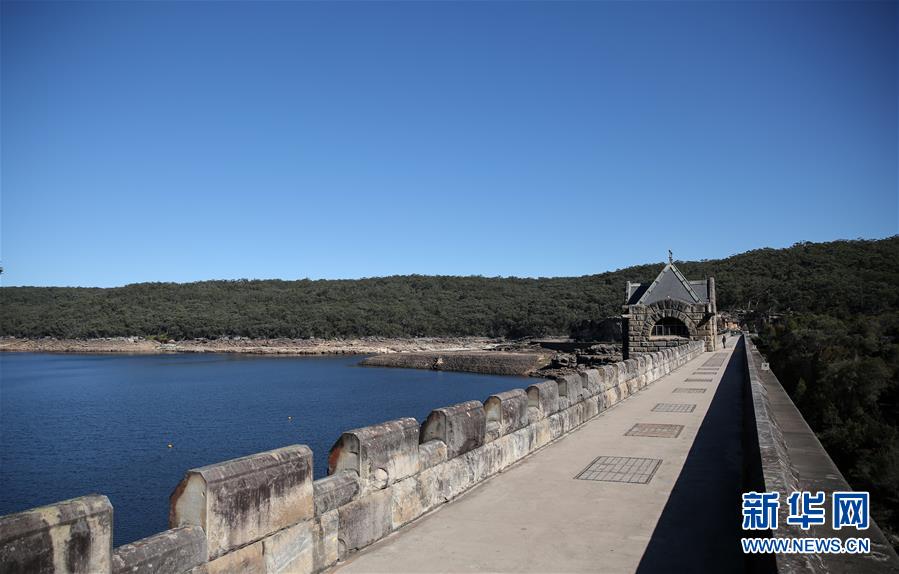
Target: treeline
(843,375)
(840,278)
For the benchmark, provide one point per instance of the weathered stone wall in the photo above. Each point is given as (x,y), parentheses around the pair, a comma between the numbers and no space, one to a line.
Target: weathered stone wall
(788,457)
(264,513)
(700,319)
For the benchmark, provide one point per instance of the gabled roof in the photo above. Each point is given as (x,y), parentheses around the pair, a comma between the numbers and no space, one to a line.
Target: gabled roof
(670,284)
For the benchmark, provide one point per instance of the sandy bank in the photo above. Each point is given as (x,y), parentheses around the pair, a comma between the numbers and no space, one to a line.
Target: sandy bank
(363,346)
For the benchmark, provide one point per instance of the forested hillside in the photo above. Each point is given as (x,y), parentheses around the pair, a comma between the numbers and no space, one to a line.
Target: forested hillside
(839,278)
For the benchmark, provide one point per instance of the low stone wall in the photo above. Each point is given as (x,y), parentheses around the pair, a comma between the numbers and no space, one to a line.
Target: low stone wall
(788,458)
(485,362)
(264,513)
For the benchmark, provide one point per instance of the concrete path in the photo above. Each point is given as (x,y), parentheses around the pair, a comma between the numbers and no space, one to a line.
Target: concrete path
(536,517)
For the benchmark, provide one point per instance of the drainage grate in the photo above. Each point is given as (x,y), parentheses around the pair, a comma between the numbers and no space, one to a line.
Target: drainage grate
(698,380)
(621,469)
(655,430)
(688,390)
(674,408)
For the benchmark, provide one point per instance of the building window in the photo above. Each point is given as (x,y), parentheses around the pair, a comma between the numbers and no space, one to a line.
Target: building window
(670,327)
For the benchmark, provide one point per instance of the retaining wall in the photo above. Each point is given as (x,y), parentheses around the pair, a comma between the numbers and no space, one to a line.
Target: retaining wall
(265,513)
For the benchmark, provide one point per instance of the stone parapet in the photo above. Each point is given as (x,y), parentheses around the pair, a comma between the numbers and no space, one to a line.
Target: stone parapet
(264,513)
(240,501)
(69,536)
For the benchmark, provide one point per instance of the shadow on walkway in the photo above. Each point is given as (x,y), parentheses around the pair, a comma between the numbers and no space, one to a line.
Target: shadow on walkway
(700,526)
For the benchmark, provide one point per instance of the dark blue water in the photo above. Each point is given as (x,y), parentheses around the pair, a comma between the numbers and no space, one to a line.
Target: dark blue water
(77,424)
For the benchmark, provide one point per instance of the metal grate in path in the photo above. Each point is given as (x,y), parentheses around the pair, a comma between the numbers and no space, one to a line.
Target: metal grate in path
(655,430)
(621,469)
(674,408)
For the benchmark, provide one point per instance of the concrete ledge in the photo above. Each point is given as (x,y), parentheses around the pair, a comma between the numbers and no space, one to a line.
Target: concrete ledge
(70,536)
(168,552)
(243,500)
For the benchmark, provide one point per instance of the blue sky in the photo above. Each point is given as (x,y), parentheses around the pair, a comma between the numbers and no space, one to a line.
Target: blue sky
(174,141)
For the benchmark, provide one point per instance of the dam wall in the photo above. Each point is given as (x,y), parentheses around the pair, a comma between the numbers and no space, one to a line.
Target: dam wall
(485,362)
(265,513)
(783,454)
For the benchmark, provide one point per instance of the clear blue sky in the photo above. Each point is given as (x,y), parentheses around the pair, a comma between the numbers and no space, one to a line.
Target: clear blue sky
(169,141)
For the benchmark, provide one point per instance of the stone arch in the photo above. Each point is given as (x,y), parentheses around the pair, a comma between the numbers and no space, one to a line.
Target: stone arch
(674,310)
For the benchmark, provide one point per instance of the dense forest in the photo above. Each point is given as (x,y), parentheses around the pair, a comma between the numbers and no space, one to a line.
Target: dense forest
(840,278)
(842,371)
(828,317)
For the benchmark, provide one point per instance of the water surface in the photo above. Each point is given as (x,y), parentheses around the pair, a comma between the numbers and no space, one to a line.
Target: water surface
(78,424)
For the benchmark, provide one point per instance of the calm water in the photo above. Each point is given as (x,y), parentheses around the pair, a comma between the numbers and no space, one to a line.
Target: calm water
(77,424)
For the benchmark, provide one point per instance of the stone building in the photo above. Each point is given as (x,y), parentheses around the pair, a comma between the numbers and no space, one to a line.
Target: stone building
(669,312)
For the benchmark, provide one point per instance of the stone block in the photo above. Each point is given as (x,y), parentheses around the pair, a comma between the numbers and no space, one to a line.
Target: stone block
(591,382)
(290,551)
(592,407)
(431,453)
(569,388)
(324,540)
(539,434)
(243,500)
(70,536)
(514,447)
(364,521)
(246,560)
(543,400)
(433,487)
(630,369)
(506,412)
(381,454)
(458,476)
(406,502)
(173,551)
(461,427)
(335,490)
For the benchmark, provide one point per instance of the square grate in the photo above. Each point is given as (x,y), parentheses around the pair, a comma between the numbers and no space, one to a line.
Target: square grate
(655,430)
(698,380)
(621,469)
(674,408)
(688,390)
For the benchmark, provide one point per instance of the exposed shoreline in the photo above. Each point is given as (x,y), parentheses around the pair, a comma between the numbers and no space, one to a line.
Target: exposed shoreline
(361,346)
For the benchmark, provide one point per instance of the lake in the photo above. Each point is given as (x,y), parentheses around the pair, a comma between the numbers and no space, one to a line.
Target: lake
(72,425)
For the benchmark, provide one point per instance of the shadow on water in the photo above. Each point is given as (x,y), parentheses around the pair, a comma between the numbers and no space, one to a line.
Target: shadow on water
(700,526)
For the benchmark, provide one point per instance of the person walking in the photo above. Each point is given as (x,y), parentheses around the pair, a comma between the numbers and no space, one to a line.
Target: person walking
(724,342)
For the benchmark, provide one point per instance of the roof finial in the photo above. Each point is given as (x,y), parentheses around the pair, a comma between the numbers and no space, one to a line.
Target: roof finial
(670,257)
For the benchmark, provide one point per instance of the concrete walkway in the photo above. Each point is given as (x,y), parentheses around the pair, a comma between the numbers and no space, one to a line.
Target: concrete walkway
(536,517)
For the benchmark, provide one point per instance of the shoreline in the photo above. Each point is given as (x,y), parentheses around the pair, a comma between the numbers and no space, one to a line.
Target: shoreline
(298,347)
